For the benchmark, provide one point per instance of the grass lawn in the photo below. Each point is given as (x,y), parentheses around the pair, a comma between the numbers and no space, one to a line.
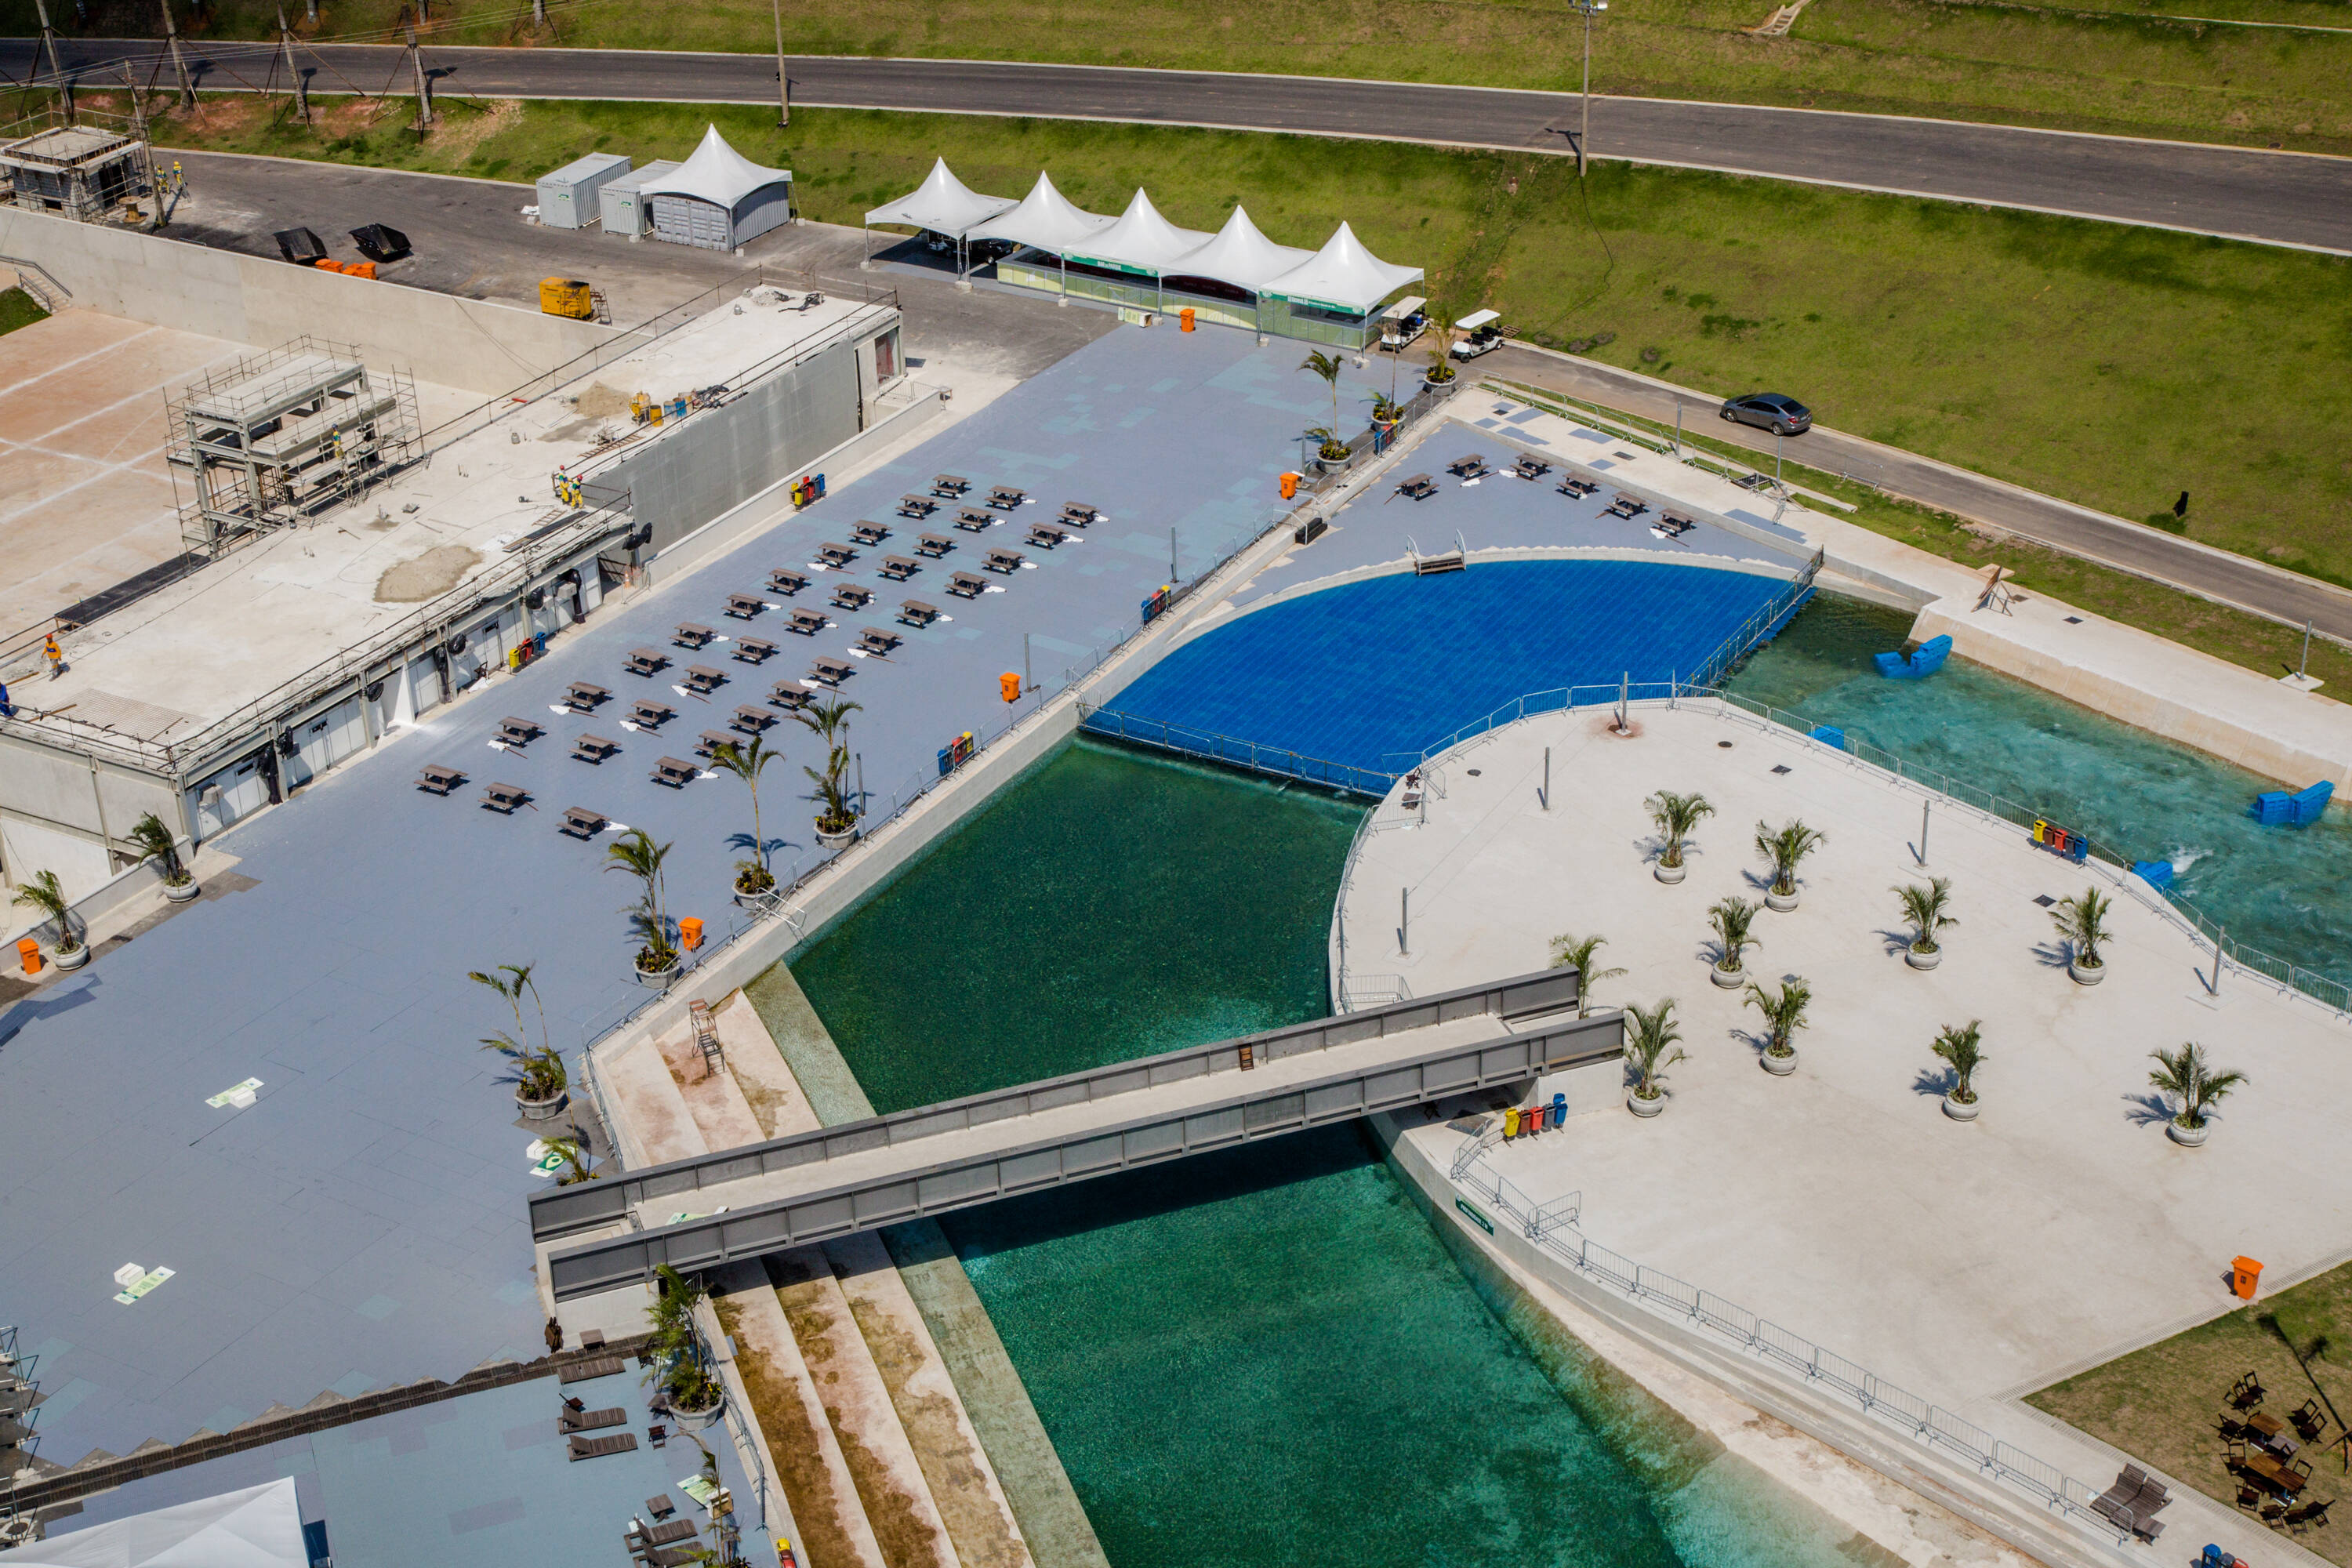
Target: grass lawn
(2112,366)
(17,309)
(2099,65)
(2163,1404)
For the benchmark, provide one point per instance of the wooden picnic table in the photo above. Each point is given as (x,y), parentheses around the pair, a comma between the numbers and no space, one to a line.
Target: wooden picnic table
(2263,1424)
(2272,1473)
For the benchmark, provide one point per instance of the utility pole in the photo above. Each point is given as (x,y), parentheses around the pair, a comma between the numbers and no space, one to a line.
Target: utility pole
(179,61)
(49,41)
(1584,134)
(783,82)
(424,84)
(538,15)
(293,72)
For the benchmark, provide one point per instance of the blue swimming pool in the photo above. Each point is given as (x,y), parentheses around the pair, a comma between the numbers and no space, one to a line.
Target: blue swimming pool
(1370,673)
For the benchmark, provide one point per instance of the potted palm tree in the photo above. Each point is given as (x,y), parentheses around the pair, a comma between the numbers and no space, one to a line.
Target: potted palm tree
(1652,1035)
(1331,453)
(1387,412)
(41,894)
(2187,1077)
(1785,849)
(2082,925)
(1924,908)
(1784,1015)
(1441,358)
(636,853)
(836,812)
(675,1358)
(1958,1045)
(1334,452)
(1730,920)
(1674,815)
(156,844)
(1576,953)
(541,1084)
(755,885)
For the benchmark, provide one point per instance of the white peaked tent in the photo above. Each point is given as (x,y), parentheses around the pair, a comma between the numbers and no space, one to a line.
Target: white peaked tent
(1046,219)
(943,204)
(1240,256)
(718,198)
(260,1527)
(1343,276)
(1141,241)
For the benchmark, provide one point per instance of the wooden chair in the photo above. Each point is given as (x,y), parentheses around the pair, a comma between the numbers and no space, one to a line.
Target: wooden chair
(2246,1392)
(2307,1421)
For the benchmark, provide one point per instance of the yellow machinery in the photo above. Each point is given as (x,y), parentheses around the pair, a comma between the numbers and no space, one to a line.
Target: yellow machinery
(567,297)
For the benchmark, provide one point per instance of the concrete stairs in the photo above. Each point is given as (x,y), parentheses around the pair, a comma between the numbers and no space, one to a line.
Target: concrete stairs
(864,1429)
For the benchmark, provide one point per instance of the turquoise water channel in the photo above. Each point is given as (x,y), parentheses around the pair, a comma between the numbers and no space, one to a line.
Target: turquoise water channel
(2286,890)
(1266,1357)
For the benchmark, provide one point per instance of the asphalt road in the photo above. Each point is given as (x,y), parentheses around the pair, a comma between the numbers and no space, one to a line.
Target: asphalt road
(2225,578)
(2276,198)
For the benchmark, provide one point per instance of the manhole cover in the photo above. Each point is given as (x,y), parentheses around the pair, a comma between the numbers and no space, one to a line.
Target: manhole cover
(1783,768)
(2045,900)
(2074,620)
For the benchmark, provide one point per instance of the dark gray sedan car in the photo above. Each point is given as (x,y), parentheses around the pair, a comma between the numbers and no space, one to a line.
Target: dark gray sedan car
(1769,411)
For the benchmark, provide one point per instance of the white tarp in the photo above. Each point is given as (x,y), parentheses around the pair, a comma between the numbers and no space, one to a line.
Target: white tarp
(942,203)
(1046,219)
(260,1527)
(717,173)
(1141,241)
(1344,276)
(1240,256)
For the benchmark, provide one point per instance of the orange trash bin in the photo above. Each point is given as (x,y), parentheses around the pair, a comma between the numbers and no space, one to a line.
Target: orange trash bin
(28,953)
(1289,487)
(1184,319)
(689,933)
(2245,1275)
(1008,685)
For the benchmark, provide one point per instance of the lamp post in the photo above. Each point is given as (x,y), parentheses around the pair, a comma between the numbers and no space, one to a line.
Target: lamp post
(1584,134)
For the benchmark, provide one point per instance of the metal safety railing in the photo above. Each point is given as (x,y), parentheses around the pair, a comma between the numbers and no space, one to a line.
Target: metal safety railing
(1553,1229)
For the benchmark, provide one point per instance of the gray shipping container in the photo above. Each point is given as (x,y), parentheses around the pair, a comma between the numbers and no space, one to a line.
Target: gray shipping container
(567,198)
(623,212)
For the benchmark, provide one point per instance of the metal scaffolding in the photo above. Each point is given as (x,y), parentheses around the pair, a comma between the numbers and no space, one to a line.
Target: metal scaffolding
(91,172)
(278,439)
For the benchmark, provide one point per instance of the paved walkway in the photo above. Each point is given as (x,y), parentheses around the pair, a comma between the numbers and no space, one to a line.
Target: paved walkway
(364,1221)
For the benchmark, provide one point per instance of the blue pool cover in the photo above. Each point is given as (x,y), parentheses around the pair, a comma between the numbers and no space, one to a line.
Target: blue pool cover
(1369,674)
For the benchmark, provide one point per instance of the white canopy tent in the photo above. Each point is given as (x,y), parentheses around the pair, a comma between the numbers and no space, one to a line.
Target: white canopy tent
(260,1527)
(1045,218)
(718,198)
(1141,241)
(942,203)
(1343,276)
(1240,256)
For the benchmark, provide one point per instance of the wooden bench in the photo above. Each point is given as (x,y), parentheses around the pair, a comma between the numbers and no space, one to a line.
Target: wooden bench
(899,568)
(964,585)
(850,596)
(504,798)
(754,651)
(867,532)
(588,1370)
(593,749)
(1003,560)
(647,661)
(691,636)
(676,772)
(582,823)
(439,780)
(915,613)
(745,606)
(702,680)
(582,695)
(786,582)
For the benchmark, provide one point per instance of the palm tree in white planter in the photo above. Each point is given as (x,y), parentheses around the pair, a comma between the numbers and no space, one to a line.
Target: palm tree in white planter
(837,808)
(1961,1049)
(2082,924)
(1674,815)
(41,894)
(541,1081)
(1784,1015)
(1785,849)
(1576,953)
(1652,1034)
(747,759)
(2187,1077)
(636,853)
(1924,908)
(156,843)
(1730,920)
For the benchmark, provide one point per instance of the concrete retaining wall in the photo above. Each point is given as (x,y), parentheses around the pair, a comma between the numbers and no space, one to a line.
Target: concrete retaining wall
(469,343)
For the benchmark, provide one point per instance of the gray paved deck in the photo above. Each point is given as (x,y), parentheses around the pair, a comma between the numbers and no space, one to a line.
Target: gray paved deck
(364,1222)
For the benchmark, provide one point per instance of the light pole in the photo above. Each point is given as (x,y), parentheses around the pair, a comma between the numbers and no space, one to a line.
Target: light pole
(1584,134)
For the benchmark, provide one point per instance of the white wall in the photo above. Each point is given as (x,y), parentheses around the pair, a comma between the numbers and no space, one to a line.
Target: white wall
(469,343)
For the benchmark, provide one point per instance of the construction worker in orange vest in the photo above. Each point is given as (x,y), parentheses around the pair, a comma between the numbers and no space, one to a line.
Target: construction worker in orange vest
(54,654)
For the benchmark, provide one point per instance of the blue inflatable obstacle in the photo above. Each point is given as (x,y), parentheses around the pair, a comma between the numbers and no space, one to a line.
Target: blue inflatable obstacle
(1925,660)
(2156,874)
(1830,734)
(2277,807)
